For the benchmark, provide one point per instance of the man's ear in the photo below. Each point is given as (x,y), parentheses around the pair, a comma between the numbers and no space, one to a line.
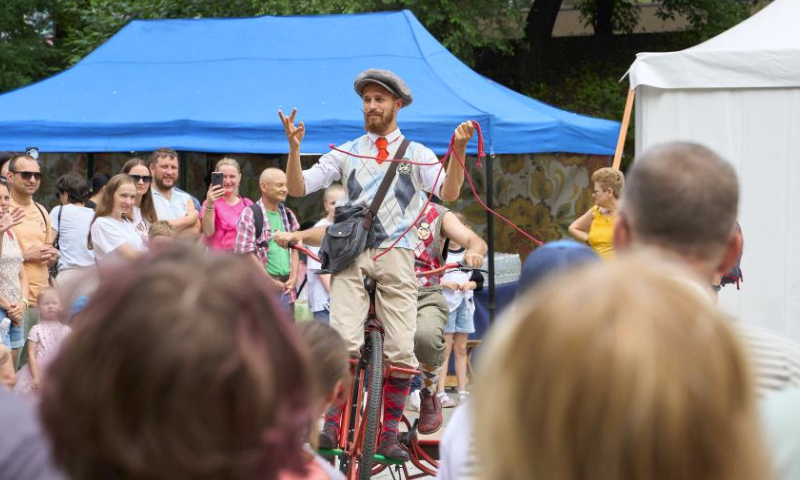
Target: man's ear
(622,232)
(398,104)
(731,255)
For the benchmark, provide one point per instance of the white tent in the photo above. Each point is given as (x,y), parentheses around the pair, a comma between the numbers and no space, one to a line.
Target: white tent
(739,94)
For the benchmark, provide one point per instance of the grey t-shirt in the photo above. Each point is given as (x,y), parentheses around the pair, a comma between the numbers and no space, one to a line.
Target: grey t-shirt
(24,449)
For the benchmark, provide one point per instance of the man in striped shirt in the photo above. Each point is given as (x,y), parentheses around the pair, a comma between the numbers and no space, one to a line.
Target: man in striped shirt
(682,200)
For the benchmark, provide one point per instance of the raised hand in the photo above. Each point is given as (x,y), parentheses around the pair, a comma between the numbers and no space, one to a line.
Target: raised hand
(11,219)
(473,260)
(215,192)
(293,133)
(464,133)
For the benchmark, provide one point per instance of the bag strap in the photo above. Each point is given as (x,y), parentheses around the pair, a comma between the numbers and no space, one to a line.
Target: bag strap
(58,232)
(258,222)
(43,213)
(370,215)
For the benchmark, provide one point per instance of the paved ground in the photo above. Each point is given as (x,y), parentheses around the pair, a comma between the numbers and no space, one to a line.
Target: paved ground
(386,475)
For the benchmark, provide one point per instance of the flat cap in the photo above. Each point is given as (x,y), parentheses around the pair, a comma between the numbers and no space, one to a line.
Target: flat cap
(386,79)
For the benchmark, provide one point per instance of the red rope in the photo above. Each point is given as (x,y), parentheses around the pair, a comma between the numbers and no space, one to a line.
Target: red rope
(451,150)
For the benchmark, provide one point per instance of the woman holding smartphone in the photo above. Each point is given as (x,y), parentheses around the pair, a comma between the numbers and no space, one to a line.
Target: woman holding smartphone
(144,212)
(220,213)
(112,229)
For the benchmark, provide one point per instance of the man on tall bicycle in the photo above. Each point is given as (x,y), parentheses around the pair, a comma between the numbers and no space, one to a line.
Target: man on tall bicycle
(383,95)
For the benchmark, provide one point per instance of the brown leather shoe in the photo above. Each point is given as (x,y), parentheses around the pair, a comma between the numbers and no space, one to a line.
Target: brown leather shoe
(329,437)
(390,448)
(430,413)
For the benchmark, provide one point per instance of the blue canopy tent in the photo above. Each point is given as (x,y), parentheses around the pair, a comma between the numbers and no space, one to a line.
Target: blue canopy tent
(215,85)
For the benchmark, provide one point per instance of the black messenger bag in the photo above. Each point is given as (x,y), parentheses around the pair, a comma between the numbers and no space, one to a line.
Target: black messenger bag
(348,236)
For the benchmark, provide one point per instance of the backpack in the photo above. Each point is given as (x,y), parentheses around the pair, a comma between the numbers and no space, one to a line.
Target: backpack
(258,222)
(734,275)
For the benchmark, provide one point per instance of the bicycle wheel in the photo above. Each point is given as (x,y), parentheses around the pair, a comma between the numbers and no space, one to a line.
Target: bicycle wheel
(373,413)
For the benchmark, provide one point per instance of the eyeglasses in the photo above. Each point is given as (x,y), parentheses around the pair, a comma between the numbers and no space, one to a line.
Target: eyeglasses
(141,178)
(28,175)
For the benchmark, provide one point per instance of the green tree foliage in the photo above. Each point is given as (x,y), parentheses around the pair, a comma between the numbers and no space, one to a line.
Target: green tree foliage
(25,52)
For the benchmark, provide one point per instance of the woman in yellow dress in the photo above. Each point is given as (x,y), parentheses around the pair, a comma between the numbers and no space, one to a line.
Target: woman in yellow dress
(596,226)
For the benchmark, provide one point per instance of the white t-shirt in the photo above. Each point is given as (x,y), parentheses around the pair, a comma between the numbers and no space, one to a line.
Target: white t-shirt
(317,296)
(108,234)
(175,208)
(141,225)
(73,232)
(453,297)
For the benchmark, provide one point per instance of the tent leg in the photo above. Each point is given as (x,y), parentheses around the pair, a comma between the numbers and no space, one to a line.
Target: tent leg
(623,129)
(490,237)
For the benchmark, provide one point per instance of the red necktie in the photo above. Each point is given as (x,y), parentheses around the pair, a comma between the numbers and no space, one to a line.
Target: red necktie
(383,153)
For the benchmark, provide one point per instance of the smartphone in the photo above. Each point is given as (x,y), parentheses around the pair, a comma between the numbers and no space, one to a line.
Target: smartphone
(32,152)
(216,178)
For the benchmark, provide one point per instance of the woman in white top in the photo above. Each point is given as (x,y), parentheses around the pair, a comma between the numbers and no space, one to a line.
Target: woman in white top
(112,229)
(13,281)
(144,212)
(70,223)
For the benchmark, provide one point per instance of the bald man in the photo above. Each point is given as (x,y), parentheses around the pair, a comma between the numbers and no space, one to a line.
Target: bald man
(278,264)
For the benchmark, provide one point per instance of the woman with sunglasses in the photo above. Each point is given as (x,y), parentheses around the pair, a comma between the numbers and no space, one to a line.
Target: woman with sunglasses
(144,212)
(112,229)
(70,223)
(223,206)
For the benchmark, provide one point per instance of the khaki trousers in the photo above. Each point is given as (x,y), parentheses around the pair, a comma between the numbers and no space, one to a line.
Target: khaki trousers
(432,314)
(396,302)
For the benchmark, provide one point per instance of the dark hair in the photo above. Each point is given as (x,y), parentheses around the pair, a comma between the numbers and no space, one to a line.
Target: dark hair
(6,157)
(12,163)
(162,152)
(75,185)
(182,367)
(98,181)
(147,206)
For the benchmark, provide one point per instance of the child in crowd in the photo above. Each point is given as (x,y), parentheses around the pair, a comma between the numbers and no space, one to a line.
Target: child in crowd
(160,232)
(331,375)
(458,288)
(44,341)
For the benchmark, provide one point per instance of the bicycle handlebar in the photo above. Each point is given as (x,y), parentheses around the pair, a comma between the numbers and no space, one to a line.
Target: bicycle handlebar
(303,249)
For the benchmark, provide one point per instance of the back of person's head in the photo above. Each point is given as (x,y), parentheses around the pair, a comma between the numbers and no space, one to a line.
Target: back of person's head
(550,258)
(183,367)
(681,197)
(98,181)
(329,351)
(74,185)
(617,371)
(161,228)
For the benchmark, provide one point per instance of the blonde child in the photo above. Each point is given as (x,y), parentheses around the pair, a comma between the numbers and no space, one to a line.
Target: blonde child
(458,288)
(160,232)
(44,340)
(329,356)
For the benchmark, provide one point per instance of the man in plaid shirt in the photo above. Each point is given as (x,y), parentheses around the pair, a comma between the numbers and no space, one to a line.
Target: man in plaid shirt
(280,265)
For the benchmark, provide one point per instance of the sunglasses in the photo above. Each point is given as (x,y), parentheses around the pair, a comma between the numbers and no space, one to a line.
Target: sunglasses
(28,175)
(141,178)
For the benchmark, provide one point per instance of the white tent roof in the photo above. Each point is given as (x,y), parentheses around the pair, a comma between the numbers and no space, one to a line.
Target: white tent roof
(761,52)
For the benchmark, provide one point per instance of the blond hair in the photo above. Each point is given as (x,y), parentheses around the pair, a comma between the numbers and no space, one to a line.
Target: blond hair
(231,162)
(642,379)
(609,178)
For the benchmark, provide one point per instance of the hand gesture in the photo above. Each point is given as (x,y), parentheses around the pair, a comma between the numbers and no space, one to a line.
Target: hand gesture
(464,133)
(288,286)
(467,286)
(215,192)
(473,260)
(11,219)
(16,312)
(50,255)
(294,133)
(450,285)
(283,238)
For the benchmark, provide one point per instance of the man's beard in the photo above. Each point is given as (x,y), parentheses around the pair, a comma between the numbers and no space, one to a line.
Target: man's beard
(161,185)
(378,127)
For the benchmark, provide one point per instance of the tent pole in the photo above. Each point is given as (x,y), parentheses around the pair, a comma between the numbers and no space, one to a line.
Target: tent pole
(490,237)
(623,129)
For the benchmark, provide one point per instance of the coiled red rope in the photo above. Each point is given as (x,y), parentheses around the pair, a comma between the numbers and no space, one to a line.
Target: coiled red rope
(450,150)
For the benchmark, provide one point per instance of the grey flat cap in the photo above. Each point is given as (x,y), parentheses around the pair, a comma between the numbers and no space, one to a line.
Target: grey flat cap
(386,79)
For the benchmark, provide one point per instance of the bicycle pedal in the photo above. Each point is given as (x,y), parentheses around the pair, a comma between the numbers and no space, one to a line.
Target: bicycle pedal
(406,438)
